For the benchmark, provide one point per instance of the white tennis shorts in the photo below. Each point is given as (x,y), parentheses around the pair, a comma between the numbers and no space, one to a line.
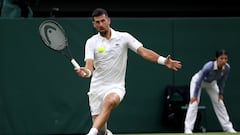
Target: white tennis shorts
(96,98)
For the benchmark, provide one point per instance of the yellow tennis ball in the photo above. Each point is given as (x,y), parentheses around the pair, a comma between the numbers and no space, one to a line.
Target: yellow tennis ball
(100,49)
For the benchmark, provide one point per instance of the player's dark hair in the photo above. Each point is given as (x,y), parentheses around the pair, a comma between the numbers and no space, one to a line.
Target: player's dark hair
(99,12)
(221,52)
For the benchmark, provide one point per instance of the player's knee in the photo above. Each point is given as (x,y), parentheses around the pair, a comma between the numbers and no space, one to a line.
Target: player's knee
(112,100)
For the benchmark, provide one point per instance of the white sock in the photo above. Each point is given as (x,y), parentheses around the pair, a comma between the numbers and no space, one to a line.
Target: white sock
(93,131)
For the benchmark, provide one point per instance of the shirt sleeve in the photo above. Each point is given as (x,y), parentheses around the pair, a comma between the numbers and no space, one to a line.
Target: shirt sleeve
(132,42)
(89,50)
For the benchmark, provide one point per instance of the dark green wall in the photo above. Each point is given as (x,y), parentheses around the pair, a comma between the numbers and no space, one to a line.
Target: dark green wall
(40,92)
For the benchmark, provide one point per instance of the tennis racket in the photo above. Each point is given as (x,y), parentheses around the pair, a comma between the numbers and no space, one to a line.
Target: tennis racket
(54,37)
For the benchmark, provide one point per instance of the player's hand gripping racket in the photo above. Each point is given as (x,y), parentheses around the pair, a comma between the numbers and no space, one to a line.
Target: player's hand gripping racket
(53,36)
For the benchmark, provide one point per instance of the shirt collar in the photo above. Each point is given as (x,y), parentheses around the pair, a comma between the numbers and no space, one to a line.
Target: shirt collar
(215,67)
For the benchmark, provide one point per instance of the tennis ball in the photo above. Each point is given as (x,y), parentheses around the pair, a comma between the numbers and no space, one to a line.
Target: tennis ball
(100,49)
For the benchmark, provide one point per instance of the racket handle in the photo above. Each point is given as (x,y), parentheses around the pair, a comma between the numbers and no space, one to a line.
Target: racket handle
(75,64)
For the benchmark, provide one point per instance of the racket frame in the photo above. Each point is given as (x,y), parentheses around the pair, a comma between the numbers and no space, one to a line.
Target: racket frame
(65,51)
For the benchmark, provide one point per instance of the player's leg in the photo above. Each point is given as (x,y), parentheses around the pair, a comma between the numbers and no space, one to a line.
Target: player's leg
(95,103)
(110,100)
(219,108)
(101,107)
(191,114)
(103,130)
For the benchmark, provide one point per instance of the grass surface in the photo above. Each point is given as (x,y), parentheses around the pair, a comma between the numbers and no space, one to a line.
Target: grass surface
(207,133)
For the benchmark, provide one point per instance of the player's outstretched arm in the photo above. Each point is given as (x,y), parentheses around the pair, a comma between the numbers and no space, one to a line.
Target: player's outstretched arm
(150,55)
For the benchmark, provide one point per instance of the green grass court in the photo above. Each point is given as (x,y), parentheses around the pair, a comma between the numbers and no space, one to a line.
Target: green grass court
(206,133)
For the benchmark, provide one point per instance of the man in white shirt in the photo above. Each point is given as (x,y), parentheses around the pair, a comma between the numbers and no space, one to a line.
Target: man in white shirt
(106,60)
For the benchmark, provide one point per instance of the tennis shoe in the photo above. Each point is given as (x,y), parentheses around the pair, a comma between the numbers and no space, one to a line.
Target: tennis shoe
(109,132)
(231,131)
(188,131)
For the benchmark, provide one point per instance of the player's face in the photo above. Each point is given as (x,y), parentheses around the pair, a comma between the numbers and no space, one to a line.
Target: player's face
(102,23)
(222,60)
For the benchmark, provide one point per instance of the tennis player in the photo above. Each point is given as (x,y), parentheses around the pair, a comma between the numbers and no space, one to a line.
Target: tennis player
(212,77)
(107,66)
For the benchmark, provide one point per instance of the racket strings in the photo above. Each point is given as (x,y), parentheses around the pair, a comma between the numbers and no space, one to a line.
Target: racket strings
(58,46)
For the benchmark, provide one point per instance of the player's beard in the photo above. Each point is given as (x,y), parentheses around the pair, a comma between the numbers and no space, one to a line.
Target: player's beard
(103,33)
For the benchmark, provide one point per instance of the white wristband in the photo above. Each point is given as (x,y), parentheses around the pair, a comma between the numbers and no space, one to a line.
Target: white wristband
(89,73)
(161,60)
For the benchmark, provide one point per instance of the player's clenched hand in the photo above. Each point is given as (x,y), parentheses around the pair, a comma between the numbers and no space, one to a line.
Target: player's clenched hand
(172,64)
(83,72)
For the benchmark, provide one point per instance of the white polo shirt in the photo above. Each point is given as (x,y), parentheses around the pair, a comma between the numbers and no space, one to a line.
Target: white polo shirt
(110,65)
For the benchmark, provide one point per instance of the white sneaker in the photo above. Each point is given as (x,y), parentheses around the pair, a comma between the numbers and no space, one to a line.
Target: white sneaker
(231,131)
(93,131)
(188,131)
(109,132)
